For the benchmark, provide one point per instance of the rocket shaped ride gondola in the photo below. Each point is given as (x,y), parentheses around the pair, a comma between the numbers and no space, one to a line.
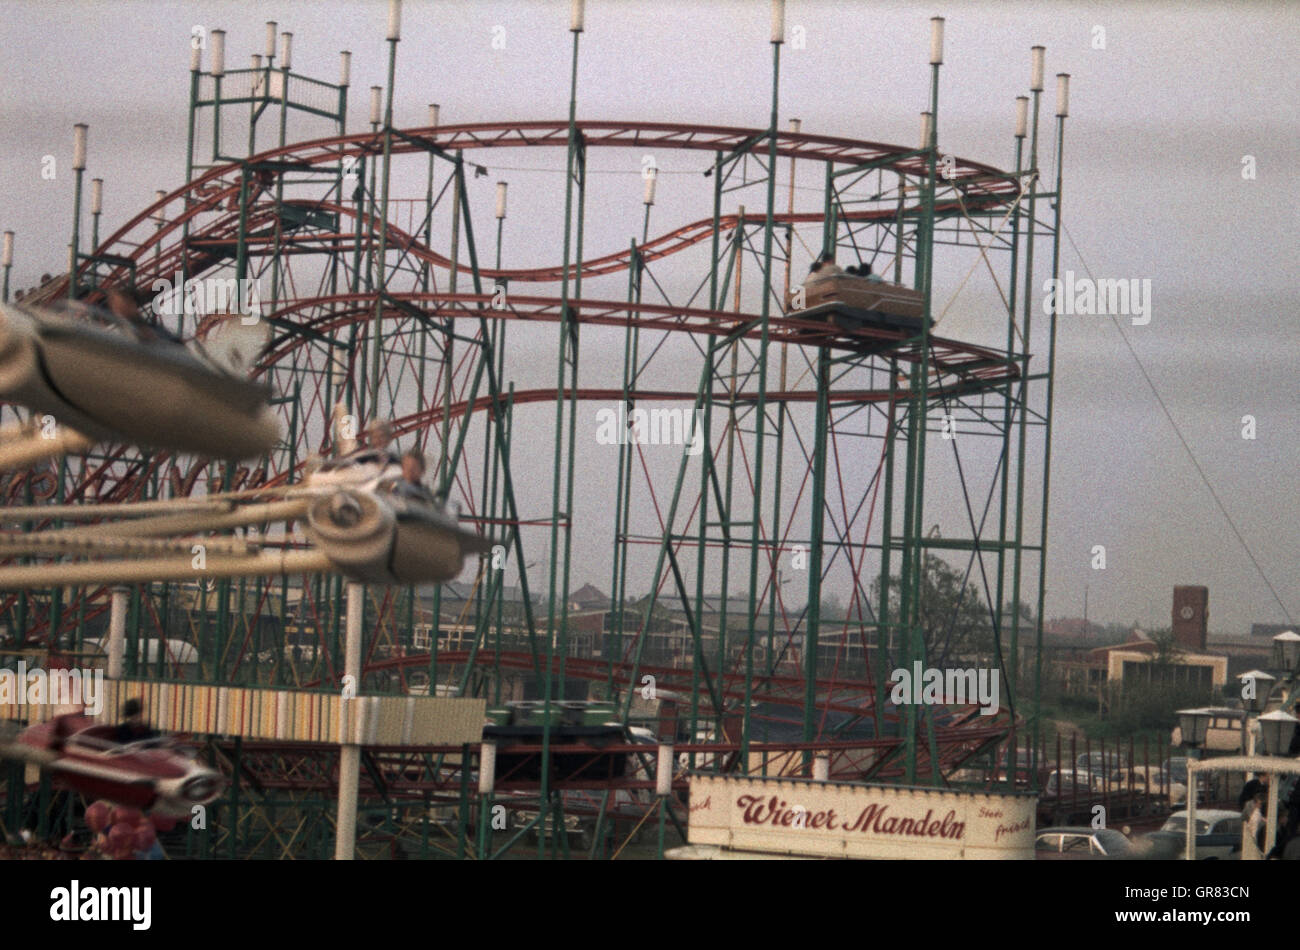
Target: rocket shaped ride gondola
(81,754)
(379,528)
(133,383)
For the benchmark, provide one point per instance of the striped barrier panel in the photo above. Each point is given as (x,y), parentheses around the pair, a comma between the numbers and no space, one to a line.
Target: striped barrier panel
(289,715)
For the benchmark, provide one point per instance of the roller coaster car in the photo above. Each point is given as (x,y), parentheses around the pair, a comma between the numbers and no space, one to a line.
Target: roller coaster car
(152,773)
(115,379)
(391,532)
(574,752)
(863,300)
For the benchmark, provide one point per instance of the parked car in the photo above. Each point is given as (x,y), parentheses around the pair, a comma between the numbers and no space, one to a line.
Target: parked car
(1223,733)
(1137,778)
(1218,835)
(1067,783)
(1145,782)
(1082,843)
(1099,763)
(1177,769)
(981,769)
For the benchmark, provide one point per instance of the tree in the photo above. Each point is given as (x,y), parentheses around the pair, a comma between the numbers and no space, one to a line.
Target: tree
(1026,615)
(1167,649)
(1149,698)
(954,617)
(832,608)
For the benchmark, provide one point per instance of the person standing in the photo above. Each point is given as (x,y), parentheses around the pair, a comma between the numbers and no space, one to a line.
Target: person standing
(1248,793)
(1287,832)
(1252,848)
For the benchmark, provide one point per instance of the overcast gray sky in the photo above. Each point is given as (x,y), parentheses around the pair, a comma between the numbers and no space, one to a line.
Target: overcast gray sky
(1161,120)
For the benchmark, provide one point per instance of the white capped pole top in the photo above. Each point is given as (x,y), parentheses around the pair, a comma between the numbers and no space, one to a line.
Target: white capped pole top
(778,21)
(1022,116)
(96,195)
(501,200)
(79,146)
(650,179)
(936,40)
(433,114)
(345,67)
(196,55)
(821,767)
(664,770)
(7,254)
(394,20)
(576,10)
(1286,649)
(286,51)
(1062,94)
(256,61)
(796,125)
(1036,54)
(376,105)
(217,53)
(271,28)
(487,767)
(926,128)
(158,215)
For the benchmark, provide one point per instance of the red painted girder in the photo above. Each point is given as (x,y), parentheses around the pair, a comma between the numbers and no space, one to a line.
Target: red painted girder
(946,355)
(976,180)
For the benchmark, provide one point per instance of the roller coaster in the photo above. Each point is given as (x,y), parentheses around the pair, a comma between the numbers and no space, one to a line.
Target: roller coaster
(817,430)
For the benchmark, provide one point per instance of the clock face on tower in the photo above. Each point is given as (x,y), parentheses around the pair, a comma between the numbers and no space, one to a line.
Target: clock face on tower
(1188,612)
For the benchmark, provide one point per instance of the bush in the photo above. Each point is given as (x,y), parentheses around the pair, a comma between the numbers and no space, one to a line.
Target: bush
(1152,707)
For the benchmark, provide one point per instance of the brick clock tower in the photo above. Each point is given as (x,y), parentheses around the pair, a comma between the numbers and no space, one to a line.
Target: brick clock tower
(1191,616)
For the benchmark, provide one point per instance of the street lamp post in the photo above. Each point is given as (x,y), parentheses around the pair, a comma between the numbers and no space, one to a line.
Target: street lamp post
(1256,688)
(1286,651)
(1276,730)
(1193,724)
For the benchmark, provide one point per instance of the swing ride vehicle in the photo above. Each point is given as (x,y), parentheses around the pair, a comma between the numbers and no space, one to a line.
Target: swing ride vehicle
(152,774)
(114,379)
(362,469)
(361,518)
(396,533)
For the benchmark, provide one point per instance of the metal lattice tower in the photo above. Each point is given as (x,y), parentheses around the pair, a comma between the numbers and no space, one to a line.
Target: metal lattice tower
(818,440)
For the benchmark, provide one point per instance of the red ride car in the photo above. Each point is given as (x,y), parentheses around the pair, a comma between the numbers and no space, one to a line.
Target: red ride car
(153,773)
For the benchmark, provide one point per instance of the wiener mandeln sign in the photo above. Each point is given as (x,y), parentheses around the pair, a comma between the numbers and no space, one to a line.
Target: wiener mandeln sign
(845,820)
